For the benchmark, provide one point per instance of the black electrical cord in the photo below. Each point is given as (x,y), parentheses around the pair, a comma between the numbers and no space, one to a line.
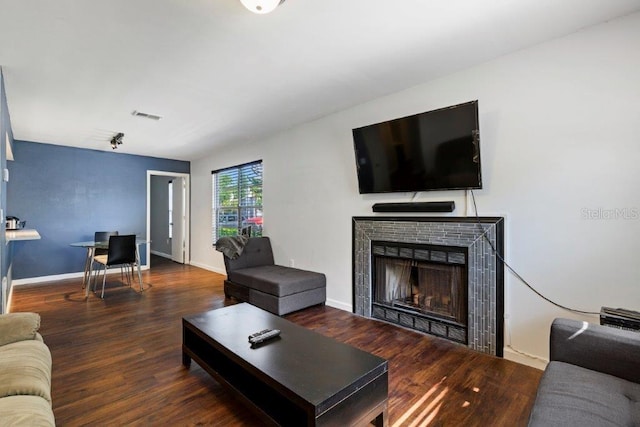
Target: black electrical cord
(515,273)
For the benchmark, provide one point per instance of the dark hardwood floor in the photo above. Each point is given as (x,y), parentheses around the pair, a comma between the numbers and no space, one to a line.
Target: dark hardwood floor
(117,361)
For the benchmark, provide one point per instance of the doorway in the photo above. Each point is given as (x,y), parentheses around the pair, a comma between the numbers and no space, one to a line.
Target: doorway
(168,215)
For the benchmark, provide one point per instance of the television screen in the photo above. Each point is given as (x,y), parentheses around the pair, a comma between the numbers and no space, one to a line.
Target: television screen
(435,150)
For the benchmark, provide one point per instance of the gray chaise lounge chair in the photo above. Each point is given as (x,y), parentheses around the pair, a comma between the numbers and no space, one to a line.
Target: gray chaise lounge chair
(255,278)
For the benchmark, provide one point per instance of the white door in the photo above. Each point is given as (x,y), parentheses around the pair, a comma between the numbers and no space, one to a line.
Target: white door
(177,239)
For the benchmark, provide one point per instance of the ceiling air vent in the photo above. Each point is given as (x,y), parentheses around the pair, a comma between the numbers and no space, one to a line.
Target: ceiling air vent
(146,115)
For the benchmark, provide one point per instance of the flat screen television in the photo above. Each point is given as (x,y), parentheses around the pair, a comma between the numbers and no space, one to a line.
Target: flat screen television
(434,150)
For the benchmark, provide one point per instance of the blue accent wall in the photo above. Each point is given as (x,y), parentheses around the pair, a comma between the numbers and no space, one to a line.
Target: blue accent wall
(69,193)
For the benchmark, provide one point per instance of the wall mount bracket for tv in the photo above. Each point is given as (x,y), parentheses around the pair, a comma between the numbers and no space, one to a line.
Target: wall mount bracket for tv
(448,206)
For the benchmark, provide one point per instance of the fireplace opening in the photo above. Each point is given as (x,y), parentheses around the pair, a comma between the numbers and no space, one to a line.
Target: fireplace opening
(422,287)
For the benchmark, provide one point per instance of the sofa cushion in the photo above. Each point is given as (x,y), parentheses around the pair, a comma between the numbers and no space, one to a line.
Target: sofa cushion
(26,411)
(570,395)
(25,368)
(18,326)
(278,280)
(257,252)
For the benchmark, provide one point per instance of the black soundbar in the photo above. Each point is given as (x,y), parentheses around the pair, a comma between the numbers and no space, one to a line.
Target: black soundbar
(448,206)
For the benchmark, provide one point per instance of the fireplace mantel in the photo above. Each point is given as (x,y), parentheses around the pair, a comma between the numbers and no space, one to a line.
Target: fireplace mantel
(485,269)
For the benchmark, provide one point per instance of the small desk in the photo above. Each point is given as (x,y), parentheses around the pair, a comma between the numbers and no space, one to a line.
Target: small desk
(301,378)
(91,245)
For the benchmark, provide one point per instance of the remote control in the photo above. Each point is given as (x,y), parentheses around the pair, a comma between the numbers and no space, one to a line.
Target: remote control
(263,336)
(257,334)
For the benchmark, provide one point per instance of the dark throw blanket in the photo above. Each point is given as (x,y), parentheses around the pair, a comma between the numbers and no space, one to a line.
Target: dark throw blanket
(232,246)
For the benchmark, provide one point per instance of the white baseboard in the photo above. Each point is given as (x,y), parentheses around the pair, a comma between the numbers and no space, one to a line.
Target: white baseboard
(525,359)
(56,277)
(339,304)
(208,267)
(162,254)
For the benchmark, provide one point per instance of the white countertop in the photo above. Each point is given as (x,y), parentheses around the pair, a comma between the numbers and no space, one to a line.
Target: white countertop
(24,234)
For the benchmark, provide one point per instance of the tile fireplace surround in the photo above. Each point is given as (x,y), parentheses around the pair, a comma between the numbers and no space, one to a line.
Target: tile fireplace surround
(485,271)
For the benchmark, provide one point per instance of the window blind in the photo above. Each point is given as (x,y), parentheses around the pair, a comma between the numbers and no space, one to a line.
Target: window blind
(237,200)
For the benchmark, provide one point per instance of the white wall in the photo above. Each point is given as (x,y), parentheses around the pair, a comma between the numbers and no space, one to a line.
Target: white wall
(560,128)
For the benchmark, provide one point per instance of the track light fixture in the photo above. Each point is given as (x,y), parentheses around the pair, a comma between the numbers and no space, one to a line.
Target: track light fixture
(117,140)
(261,6)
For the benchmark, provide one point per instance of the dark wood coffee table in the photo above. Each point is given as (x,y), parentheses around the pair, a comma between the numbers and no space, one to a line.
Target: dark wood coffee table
(300,378)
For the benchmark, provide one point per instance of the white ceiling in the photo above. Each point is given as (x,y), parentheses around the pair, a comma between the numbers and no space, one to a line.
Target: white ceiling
(219,74)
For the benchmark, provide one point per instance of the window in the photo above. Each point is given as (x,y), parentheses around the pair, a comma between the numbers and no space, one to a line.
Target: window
(237,200)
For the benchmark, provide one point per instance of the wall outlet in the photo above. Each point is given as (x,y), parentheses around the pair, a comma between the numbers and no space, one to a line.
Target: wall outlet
(292,263)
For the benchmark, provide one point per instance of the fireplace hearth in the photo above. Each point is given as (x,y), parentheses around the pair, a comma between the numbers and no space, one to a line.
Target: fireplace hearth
(437,275)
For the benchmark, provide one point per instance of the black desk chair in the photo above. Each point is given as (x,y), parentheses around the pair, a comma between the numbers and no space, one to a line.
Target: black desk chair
(122,252)
(102,236)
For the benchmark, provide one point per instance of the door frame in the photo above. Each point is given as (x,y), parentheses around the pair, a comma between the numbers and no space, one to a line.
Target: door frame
(187,215)
(178,195)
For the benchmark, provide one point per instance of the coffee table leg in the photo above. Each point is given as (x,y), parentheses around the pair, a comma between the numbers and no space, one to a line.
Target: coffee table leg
(382,420)
(186,360)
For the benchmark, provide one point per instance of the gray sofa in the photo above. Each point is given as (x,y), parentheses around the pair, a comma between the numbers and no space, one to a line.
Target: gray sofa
(593,377)
(255,278)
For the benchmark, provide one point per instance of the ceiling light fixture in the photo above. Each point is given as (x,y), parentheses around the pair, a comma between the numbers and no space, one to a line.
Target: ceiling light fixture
(117,140)
(261,6)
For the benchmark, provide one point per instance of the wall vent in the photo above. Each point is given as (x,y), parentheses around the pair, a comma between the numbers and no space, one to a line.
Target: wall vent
(146,115)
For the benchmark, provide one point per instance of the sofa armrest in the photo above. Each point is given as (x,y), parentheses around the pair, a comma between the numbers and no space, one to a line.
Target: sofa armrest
(599,348)
(18,327)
